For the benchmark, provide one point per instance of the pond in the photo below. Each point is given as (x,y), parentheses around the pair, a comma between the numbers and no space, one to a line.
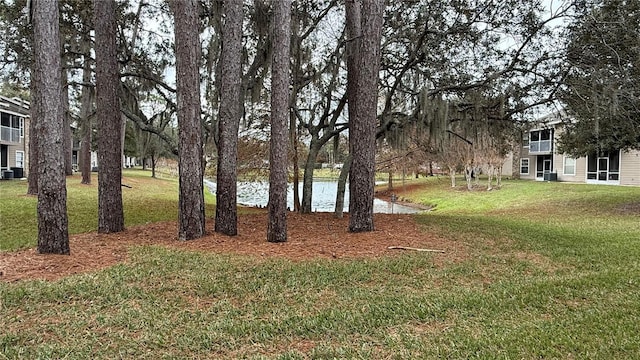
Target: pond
(256,193)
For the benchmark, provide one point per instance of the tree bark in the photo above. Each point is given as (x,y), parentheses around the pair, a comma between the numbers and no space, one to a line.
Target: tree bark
(293,131)
(277,227)
(153,166)
(307,179)
(109,121)
(229,119)
(85,123)
(53,229)
(363,67)
(489,175)
(66,132)
(342,182)
(191,201)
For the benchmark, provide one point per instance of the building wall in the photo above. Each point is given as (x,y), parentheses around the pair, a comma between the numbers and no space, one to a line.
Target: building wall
(532,165)
(630,168)
(18,108)
(629,173)
(580,169)
(27,141)
(11,157)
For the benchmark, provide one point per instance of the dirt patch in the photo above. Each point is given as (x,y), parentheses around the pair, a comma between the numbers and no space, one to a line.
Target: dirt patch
(632,208)
(310,236)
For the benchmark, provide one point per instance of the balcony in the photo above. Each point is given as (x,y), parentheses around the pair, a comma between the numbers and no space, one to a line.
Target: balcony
(540,147)
(10,134)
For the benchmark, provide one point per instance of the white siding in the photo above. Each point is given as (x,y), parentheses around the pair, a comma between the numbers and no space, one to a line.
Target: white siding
(630,168)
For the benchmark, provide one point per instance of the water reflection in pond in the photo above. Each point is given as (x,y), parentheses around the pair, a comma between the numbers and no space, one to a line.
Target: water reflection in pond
(256,193)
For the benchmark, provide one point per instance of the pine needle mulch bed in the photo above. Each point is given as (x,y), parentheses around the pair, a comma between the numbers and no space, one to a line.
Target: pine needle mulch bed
(318,235)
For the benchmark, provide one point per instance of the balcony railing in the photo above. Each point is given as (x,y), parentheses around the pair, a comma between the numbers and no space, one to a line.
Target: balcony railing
(541,146)
(10,134)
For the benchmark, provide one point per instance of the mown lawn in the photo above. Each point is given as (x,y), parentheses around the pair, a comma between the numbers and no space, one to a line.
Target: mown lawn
(553,272)
(147,200)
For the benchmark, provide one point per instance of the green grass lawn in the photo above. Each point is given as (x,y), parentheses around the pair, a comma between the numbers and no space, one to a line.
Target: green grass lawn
(147,200)
(553,271)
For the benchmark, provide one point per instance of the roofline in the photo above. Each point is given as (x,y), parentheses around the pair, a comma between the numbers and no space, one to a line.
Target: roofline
(14,106)
(16,101)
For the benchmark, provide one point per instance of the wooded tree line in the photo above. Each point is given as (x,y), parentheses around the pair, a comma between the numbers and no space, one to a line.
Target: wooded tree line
(452,82)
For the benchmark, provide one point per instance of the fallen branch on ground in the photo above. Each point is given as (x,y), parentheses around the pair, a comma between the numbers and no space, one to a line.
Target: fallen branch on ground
(414,249)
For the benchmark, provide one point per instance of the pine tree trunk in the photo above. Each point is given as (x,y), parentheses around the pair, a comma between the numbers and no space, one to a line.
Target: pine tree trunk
(85,123)
(191,219)
(110,209)
(53,230)
(362,121)
(85,155)
(229,119)
(277,226)
(66,132)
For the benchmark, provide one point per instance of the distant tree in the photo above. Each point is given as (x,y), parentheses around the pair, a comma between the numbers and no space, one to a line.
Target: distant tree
(17,67)
(191,202)
(86,108)
(67,138)
(317,92)
(229,119)
(87,101)
(146,50)
(280,78)
(602,93)
(53,229)
(76,44)
(363,117)
(466,134)
(109,121)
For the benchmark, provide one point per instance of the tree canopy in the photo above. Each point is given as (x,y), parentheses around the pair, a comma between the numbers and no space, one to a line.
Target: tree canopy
(602,93)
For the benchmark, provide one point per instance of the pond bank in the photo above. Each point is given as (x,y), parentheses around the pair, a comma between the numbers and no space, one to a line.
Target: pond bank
(256,194)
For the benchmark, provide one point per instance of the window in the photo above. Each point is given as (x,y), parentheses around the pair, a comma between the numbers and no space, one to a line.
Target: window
(15,122)
(541,140)
(20,159)
(524,166)
(5,119)
(535,135)
(569,166)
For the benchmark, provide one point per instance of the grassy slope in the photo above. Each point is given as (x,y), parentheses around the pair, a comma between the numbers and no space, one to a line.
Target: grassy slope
(148,200)
(553,272)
